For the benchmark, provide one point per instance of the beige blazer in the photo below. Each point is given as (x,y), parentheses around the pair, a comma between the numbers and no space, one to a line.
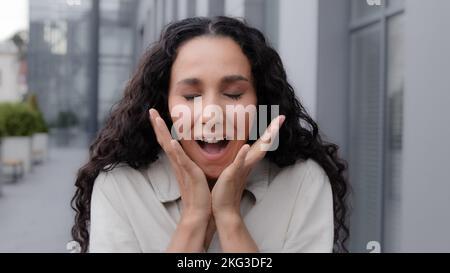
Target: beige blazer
(285,210)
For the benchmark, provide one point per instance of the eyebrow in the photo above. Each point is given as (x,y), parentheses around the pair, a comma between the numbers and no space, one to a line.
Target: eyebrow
(190,81)
(234,78)
(225,80)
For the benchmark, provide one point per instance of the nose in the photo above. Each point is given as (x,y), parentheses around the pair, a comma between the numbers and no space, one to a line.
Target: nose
(211,115)
(212,110)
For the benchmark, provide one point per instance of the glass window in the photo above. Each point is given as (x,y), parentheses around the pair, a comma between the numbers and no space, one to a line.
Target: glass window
(394,126)
(58,58)
(376,108)
(366,137)
(55,34)
(115,62)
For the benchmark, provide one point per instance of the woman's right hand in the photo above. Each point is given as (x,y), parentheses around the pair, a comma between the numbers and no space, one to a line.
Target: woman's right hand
(195,193)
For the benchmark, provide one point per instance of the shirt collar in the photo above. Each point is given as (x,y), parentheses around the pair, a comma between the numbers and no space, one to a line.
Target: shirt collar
(166,187)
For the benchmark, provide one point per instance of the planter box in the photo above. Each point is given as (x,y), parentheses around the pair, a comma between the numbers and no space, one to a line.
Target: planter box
(39,147)
(17,149)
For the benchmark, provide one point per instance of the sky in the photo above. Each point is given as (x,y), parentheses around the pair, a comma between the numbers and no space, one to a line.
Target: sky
(13,17)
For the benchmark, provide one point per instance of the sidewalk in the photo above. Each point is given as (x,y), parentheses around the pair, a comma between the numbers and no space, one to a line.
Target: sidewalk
(35,213)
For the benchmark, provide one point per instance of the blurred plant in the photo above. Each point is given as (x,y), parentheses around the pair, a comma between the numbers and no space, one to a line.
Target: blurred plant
(18,119)
(2,125)
(66,119)
(20,39)
(41,126)
(31,100)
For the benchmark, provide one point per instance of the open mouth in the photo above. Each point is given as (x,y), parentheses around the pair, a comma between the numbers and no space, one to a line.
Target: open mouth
(213,147)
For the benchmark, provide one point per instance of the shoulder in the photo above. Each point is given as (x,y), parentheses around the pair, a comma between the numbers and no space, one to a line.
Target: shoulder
(310,207)
(122,175)
(304,177)
(302,172)
(111,174)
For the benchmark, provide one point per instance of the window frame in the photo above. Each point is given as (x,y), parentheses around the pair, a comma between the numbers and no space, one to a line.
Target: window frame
(382,16)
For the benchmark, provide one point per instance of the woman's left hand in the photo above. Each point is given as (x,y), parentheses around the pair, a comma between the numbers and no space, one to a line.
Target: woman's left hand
(227,193)
(228,190)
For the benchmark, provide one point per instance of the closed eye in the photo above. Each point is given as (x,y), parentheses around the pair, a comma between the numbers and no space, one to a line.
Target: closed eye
(191,97)
(234,96)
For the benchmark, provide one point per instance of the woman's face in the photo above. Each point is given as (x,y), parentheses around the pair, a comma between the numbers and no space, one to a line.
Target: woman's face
(215,72)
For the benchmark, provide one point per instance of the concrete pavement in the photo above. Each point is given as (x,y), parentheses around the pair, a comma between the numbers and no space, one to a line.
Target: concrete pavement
(35,213)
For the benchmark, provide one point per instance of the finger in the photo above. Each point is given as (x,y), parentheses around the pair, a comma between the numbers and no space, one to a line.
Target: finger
(240,157)
(162,133)
(271,132)
(259,149)
(153,115)
(164,138)
(238,163)
(186,165)
(181,170)
(183,160)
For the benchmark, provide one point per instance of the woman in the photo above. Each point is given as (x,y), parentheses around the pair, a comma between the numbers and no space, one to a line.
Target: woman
(143,191)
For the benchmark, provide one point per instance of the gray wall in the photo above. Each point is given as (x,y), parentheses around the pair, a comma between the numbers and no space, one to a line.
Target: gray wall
(426,182)
(298,48)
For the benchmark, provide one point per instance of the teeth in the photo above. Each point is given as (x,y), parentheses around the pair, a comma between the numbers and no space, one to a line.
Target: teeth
(211,141)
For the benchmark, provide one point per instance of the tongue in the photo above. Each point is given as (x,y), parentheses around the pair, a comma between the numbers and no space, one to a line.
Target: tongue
(212,148)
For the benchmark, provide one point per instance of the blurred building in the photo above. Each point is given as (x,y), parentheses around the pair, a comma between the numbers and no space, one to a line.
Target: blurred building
(11,87)
(60,59)
(117,43)
(370,75)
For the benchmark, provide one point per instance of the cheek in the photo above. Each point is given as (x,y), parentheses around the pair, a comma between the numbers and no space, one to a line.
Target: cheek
(174,102)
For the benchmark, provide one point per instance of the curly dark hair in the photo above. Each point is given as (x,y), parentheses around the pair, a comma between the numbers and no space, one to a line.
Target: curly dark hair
(129,138)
